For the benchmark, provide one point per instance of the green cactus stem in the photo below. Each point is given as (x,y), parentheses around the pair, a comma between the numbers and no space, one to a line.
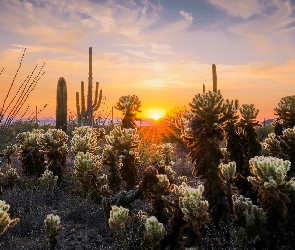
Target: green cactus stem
(85,116)
(61,105)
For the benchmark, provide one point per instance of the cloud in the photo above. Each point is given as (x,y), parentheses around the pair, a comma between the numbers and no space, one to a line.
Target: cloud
(139,53)
(244,9)
(186,15)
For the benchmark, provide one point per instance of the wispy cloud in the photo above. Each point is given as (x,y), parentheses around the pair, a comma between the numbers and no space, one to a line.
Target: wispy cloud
(187,16)
(138,53)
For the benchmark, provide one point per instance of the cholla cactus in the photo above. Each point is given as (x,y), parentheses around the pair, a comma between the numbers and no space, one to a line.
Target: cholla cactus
(248,123)
(270,171)
(5,220)
(154,231)
(30,154)
(48,180)
(251,217)
(163,185)
(269,175)
(286,111)
(228,171)
(123,143)
(85,139)
(11,176)
(272,145)
(88,174)
(162,154)
(202,137)
(53,229)
(119,220)
(129,105)
(54,145)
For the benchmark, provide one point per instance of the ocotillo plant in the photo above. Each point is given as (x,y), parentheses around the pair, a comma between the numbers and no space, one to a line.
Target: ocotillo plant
(61,105)
(85,116)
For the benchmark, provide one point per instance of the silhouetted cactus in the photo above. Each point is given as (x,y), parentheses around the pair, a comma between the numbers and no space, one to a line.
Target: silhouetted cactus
(214,75)
(61,105)
(286,112)
(85,116)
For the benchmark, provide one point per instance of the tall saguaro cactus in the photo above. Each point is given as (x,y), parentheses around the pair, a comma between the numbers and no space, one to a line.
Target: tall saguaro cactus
(214,75)
(61,105)
(85,116)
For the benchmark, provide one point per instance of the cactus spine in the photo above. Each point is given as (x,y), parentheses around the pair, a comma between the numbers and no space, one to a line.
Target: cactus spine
(85,116)
(61,105)
(214,74)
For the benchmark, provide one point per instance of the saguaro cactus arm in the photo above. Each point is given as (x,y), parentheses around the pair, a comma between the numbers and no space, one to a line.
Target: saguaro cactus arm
(97,100)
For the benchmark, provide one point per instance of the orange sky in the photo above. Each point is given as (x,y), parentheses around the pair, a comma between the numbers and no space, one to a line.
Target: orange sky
(161,52)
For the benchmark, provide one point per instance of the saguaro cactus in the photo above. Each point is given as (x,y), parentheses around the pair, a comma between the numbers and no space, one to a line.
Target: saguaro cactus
(85,116)
(214,75)
(61,105)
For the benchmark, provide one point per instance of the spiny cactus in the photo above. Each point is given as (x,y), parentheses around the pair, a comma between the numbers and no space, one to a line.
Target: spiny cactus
(85,139)
(249,217)
(286,111)
(269,176)
(61,105)
(48,180)
(202,137)
(119,219)
(89,175)
(53,144)
(248,123)
(154,231)
(85,116)
(53,229)
(129,105)
(30,154)
(193,206)
(121,151)
(5,220)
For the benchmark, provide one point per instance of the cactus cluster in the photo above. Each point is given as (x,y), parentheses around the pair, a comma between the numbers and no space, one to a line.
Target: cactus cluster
(286,111)
(154,231)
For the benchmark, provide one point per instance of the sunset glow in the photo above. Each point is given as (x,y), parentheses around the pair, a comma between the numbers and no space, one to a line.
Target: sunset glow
(161,51)
(156,114)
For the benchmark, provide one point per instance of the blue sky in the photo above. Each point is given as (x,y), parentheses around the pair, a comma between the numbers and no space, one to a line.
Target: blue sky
(160,50)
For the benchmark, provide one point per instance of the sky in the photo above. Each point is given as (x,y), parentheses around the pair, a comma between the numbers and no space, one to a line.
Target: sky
(159,50)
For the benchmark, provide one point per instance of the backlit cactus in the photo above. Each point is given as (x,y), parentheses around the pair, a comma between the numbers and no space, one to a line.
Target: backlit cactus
(85,116)
(286,111)
(53,228)
(248,216)
(119,220)
(53,144)
(154,231)
(30,154)
(5,220)
(85,139)
(89,176)
(129,105)
(203,136)
(61,105)
(120,152)
(228,171)
(48,180)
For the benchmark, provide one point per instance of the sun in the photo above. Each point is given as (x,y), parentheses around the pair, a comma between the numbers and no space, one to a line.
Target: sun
(156,114)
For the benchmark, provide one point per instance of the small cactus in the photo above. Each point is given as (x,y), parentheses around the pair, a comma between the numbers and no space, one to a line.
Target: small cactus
(5,220)
(119,220)
(53,229)
(154,231)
